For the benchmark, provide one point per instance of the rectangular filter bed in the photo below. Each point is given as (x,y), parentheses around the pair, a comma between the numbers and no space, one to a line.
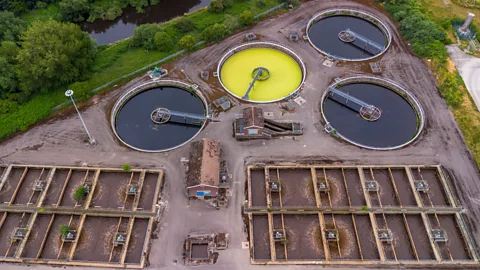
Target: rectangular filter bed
(107,223)
(355,215)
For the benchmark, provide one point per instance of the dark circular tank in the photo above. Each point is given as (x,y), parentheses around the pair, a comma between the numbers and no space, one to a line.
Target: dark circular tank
(134,125)
(397,125)
(324,35)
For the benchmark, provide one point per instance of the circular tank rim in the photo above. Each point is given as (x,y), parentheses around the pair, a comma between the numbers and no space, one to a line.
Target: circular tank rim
(354,13)
(393,86)
(144,87)
(262,44)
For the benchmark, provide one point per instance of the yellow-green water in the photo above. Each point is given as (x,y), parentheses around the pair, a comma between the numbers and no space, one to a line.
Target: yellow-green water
(285,74)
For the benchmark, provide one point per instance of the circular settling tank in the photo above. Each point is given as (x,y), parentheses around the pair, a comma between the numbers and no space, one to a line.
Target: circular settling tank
(401,118)
(159,116)
(261,72)
(347,34)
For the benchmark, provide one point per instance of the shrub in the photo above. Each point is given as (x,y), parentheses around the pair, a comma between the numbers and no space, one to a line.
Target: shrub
(163,41)
(260,3)
(65,229)
(215,32)
(187,42)
(127,167)
(144,36)
(216,6)
(185,25)
(80,193)
(231,22)
(246,17)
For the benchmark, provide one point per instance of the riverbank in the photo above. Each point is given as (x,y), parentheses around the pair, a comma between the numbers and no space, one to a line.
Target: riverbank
(116,61)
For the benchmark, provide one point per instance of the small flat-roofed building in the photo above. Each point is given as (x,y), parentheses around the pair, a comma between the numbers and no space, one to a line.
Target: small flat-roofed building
(203,176)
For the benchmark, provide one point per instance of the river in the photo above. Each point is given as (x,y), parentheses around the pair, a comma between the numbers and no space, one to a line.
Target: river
(105,32)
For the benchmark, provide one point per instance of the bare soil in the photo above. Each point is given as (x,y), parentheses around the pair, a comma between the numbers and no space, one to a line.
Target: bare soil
(366,237)
(36,237)
(12,221)
(137,241)
(54,241)
(258,188)
(26,188)
(387,193)
(297,185)
(420,237)
(401,242)
(355,189)
(261,245)
(300,243)
(148,191)
(96,238)
(10,184)
(53,193)
(407,198)
(76,180)
(111,190)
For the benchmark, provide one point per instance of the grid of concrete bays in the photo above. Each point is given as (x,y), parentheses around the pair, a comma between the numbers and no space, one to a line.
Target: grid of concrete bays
(109,227)
(355,215)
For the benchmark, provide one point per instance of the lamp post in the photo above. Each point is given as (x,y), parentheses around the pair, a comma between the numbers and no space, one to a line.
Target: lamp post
(69,93)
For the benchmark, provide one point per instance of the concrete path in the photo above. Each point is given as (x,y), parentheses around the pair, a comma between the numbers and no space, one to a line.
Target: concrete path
(469,68)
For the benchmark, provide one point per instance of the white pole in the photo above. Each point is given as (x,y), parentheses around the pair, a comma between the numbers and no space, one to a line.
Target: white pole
(69,93)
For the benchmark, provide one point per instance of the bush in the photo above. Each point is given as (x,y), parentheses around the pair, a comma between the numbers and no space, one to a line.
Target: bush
(246,17)
(231,22)
(127,167)
(260,3)
(215,32)
(187,42)
(163,41)
(216,6)
(65,229)
(144,36)
(185,25)
(80,194)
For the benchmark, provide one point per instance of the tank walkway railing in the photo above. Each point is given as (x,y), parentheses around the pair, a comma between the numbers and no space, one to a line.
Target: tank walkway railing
(250,87)
(346,98)
(76,211)
(356,210)
(362,42)
(193,116)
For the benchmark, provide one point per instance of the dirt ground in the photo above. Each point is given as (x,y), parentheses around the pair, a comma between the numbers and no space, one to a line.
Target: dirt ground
(61,140)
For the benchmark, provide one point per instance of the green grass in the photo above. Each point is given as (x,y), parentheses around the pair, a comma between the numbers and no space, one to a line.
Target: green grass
(50,12)
(111,62)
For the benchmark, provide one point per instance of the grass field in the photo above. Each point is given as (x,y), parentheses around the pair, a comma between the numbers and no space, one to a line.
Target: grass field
(112,62)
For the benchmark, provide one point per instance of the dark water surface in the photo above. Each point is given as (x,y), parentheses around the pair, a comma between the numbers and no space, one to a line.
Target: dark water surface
(105,32)
(324,34)
(134,126)
(397,125)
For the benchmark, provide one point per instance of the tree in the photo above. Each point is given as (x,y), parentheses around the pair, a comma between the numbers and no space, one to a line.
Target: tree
(185,25)
(54,54)
(215,32)
(144,36)
(246,17)
(8,78)
(11,26)
(216,6)
(74,10)
(80,193)
(187,42)
(9,50)
(163,41)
